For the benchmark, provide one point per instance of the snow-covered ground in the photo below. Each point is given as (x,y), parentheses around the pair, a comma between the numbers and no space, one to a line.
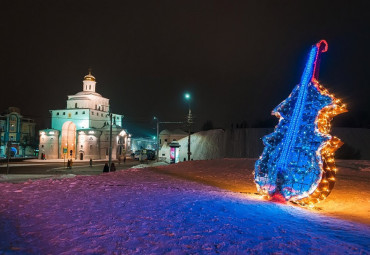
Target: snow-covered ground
(192,207)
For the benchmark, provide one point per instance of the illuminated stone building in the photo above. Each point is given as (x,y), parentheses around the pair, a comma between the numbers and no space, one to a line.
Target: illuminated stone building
(19,132)
(82,130)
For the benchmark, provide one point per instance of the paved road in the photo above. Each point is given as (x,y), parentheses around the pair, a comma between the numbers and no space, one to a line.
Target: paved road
(51,168)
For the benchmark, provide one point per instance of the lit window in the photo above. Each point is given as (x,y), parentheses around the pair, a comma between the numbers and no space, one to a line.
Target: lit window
(69,115)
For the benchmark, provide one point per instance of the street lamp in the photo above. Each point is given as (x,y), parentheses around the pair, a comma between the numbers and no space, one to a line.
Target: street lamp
(157,137)
(189,121)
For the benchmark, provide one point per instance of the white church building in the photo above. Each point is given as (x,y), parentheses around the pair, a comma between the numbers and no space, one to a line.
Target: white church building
(82,130)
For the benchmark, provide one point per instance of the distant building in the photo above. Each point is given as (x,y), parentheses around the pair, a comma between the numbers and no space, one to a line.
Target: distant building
(19,131)
(81,131)
(139,143)
(168,136)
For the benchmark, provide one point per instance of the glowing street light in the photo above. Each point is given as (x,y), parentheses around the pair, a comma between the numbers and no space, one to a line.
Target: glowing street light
(189,121)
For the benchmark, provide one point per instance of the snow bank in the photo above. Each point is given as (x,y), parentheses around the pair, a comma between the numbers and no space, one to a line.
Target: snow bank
(152,211)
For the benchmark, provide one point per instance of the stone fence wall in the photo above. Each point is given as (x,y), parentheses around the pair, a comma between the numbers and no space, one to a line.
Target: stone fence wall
(247,143)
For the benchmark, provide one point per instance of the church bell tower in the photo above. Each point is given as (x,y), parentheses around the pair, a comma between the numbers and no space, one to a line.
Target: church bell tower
(89,83)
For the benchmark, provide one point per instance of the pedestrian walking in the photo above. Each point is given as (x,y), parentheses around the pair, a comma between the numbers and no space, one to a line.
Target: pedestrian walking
(112,167)
(124,159)
(91,162)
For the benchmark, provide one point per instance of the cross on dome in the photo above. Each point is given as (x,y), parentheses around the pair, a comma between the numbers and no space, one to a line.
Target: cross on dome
(89,77)
(89,82)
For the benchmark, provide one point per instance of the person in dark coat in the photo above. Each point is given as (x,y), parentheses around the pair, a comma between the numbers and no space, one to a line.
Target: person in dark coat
(112,167)
(106,168)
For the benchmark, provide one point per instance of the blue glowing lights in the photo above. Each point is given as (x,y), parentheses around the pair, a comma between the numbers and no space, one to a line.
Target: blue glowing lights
(297,161)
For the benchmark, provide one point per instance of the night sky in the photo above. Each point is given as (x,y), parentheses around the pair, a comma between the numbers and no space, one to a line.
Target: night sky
(238,59)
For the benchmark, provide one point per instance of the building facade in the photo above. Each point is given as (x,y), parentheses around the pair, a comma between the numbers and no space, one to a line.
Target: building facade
(18,132)
(82,130)
(167,136)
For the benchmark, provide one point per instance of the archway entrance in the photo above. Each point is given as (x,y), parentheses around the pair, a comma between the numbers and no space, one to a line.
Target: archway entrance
(68,140)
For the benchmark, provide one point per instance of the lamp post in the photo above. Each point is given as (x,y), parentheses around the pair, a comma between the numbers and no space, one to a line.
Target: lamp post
(189,121)
(157,138)
(110,142)
(1,132)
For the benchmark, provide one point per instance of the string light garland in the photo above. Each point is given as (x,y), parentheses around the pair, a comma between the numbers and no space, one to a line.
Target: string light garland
(298,159)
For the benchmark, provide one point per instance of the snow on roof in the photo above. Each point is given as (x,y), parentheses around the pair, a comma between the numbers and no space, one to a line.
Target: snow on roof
(173,132)
(165,132)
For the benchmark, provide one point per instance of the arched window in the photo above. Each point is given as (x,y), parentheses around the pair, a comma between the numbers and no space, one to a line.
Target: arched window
(89,86)
(75,105)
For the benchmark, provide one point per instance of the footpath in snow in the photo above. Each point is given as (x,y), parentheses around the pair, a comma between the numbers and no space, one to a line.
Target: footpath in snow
(152,210)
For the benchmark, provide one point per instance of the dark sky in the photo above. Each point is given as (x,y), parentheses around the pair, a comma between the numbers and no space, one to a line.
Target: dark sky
(239,59)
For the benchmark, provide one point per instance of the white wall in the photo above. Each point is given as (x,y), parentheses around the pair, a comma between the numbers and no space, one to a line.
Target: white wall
(49,144)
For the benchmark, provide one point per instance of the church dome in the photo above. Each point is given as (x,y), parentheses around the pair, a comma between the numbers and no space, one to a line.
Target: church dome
(89,77)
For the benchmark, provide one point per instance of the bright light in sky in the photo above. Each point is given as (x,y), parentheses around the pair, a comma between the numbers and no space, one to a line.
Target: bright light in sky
(187,96)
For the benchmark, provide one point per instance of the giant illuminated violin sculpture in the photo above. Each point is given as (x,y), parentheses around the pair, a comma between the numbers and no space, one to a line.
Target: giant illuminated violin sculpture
(298,159)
